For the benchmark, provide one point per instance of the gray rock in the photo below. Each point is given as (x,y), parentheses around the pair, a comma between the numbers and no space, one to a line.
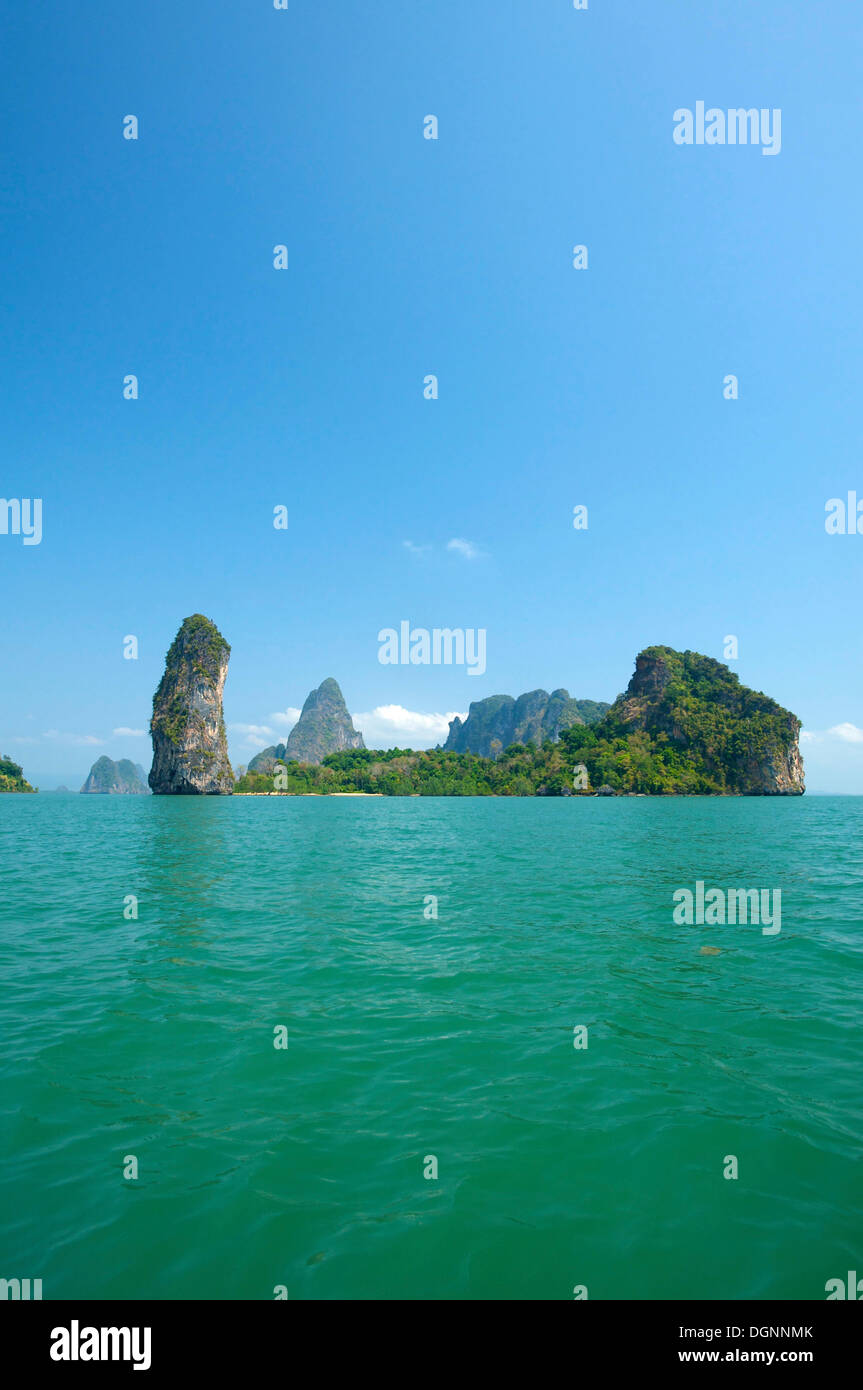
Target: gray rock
(324,726)
(536,717)
(190,749)
(123,778)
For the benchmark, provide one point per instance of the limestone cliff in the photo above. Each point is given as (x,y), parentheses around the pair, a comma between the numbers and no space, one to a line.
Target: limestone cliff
(498,721)
(190,750)
(324,727)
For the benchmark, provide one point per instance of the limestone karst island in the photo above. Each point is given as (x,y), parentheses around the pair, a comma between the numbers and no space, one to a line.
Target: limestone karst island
(684,726)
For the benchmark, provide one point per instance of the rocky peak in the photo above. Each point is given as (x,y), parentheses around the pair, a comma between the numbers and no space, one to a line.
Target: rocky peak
(190,750)
(652,673)
(324,726)
(535,717)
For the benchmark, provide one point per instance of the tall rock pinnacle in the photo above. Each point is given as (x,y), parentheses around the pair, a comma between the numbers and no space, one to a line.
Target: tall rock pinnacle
(190,750)
(323,727)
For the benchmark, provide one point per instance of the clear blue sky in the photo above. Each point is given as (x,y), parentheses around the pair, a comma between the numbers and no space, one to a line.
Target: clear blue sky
(409,257)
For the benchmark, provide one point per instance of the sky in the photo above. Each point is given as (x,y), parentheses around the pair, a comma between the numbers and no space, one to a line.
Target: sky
(306,388)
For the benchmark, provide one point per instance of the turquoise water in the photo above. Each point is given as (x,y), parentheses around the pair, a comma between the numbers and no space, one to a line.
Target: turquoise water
(410,1037)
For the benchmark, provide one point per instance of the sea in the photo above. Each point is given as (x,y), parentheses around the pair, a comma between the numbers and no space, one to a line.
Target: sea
(428,1048)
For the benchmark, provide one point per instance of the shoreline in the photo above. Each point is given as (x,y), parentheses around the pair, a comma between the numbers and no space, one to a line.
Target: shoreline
(323,794)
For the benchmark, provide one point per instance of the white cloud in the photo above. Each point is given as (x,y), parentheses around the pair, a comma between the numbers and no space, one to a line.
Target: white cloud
(286,719)
(839,733)
(129,733)
(76,740)
(254,735)
(390,726)
(386,726)
(848,733)
(467,549)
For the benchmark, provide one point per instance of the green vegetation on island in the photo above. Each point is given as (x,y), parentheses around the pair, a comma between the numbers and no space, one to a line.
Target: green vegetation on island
(12,777)
(432,772)
(684,726)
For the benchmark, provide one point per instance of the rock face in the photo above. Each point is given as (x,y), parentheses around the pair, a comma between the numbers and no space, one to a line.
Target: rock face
(739,738)
(108,778)
(190,750)
(266,760)
(501,720)
(12,776)
(323,727)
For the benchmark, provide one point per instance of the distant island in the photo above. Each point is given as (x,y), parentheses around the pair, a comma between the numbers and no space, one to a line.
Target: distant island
(684,726)
(123,778)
